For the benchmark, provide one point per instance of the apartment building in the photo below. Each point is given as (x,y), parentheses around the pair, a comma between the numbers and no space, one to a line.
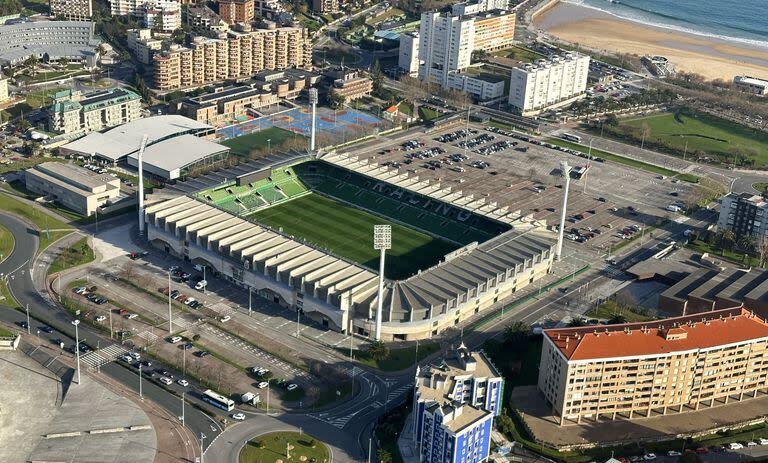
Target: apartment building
(202,17)
(348,84)
(548,84)
(455,403)
(751,85)
(73,113)
(72,10)
(240,55)
(226,103)
(483,86)
(408,53)
(72,186)
(236,11)
(745,215)
(4,96)
(142,44)
(326,6)
(161,15)
(636,370)
(126,7)
(479,6)
(52,40)
(447,40)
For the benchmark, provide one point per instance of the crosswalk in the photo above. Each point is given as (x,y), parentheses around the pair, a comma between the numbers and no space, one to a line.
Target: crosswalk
(100,357)
(340,421)
(148,336)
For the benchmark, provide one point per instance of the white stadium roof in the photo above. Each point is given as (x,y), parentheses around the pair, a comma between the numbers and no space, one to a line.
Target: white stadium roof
(167,158)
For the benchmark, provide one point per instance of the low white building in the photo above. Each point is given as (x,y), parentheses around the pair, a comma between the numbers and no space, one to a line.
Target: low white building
(548,84)
(752,85)
(484,87)
(163,15)
(408,58)
(142,44)
(72,186)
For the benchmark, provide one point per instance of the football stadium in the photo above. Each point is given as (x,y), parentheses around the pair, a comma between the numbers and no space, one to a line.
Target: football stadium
(301,235)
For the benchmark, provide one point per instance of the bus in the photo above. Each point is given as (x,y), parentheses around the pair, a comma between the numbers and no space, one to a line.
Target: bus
(571,137)
(579,172)
(218,400)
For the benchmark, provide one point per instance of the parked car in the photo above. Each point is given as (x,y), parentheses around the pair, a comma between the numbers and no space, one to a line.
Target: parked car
(174,339)
(292,387)
(262,384)
(166,380)
(238,416)
(183,382)
(225,319)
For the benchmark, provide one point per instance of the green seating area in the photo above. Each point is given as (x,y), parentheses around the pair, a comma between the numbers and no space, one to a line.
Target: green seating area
(270,194)
(251,201)
(281,184)
(293,187)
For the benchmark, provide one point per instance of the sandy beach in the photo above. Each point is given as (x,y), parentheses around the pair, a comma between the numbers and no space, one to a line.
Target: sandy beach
(710,57)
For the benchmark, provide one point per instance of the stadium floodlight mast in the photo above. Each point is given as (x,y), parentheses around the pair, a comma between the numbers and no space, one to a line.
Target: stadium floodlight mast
(313,102)
(382,240)
(565,172)
(140,191)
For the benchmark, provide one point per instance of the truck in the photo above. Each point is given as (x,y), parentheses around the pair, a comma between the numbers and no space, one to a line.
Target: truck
(250,398)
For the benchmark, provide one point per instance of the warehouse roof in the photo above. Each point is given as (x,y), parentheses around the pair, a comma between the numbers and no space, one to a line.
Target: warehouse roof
(119,142)
(178,152)
(699,331)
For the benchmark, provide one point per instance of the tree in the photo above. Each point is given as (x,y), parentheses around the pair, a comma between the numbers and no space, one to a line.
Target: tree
(727,239)
(335,100)
(384,456)
(516,333)
(617,319)
(377,350)
(611,120)
(576,322)
(377,76)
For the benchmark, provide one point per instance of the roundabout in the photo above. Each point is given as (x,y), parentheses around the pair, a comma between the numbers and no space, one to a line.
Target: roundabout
(284,447)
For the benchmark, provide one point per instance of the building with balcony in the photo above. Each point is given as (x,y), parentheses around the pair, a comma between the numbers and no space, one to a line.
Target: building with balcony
(161,15)
(654,368)
(745,215)
(142,44)
(236,11)
(455,403)
(548,84)
(240,55)
(74,113)
(348,84)
(72,10)
(202,17)
(48,40)
(751,85)
(408,53)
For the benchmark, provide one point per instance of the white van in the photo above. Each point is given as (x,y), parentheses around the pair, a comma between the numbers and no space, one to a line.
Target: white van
(201,285)
(673,208)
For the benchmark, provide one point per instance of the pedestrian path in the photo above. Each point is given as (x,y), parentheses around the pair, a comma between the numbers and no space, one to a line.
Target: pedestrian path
(100,357)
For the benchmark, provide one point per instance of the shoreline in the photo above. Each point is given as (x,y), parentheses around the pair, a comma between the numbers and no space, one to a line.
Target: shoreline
(712,57)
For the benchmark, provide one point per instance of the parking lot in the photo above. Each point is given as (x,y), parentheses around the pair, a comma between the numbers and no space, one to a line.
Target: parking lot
(608,202)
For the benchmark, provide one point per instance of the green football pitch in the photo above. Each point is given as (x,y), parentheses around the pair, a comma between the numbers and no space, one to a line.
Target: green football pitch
(243,145)
(348,232)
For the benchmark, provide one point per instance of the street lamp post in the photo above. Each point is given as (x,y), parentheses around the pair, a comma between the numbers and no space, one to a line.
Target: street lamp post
(202,449)
(382,240)
(249,300)
(170,314)
(267,397)
(77,345)
(141,391)
(29,327)
(182,407)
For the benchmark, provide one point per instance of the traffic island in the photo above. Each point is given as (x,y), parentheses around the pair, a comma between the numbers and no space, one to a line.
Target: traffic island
(284,447)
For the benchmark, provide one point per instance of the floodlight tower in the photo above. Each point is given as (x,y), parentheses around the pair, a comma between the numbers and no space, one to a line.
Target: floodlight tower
(313,102)
(565,172)
(140,192)
(382,240)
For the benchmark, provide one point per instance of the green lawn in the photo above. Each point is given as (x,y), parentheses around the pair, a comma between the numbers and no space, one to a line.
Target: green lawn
(626,161)
(428,114)
(337,56)
(398,359)
(5,333)
(246,144)
(6,243)
(760,186)
(78,254)
(42,220)
(269,448)
(714,136)
(609,309)
(7,297)
(348,232)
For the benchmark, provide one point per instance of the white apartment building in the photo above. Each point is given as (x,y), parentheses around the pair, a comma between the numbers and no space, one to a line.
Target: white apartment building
(548,84)
(445,44)
(408,58)
(479,6)
(162,15)
(752,85)
(73,113)
(72,10)
(142,44)
(481,86)
(4,96)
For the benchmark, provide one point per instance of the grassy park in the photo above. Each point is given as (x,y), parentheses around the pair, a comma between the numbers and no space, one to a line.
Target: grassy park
(78,254)
(6,243)
(396,359)
(285,447)
(42,221)
(699,134)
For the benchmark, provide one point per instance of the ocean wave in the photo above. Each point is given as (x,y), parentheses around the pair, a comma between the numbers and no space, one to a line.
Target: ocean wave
(649,21)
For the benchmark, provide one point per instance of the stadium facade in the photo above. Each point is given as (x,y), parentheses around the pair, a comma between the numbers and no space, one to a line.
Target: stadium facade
(496,252)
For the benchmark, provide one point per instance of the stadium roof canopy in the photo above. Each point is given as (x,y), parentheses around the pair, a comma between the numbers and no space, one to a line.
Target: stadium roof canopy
(169,158)
(117,143)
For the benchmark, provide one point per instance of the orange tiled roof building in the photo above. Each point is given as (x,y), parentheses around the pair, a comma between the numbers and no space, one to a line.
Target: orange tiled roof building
(646,369)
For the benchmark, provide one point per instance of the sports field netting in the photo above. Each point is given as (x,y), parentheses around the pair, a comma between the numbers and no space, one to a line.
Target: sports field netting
(348,232)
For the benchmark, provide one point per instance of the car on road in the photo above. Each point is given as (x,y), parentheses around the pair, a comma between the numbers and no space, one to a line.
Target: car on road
(673,453)
(292,387)
(225,319)
(201,285)
(751,444)
(132,316)
(262,384)
(46,329)
(763,441)
(174,339)
(735,446)
(649,456)
(126,358)
(183,382)
(24,325)
(135,355)
(166,380)
(238,416)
